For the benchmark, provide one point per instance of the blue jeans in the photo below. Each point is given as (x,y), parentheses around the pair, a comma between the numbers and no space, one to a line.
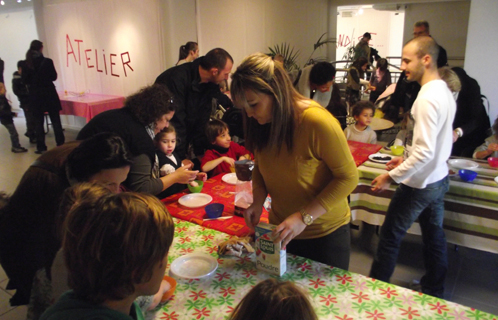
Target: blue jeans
(406,206)
(14,137)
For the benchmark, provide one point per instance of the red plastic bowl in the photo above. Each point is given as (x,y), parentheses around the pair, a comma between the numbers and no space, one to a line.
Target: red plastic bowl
(493,162)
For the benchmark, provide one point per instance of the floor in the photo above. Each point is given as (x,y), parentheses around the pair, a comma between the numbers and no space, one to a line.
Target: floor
(472,279)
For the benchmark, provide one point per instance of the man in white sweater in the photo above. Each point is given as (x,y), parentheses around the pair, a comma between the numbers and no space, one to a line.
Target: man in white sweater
(422,173)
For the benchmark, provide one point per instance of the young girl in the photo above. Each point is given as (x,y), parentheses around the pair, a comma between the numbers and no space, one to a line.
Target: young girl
(363,112)
(188,53)
(490,146)
(380,80)
(169,161)
(271,299)
(224,152)
(355,80)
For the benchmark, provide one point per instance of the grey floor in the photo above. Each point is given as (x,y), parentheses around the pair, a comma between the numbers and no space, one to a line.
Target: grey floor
(472,278)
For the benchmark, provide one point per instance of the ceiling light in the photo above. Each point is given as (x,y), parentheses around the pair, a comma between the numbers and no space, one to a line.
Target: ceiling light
(2,3)
(19,1)
(359,11)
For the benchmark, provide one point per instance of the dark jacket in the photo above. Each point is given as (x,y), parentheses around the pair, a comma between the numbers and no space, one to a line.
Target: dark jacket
(40,81)
(20,89)
(194,104)
(470,115)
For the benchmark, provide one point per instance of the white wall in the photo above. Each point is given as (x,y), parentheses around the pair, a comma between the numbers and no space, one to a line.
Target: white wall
(481,49)
(245,27)
(385,27)
(17,30)
(448,25)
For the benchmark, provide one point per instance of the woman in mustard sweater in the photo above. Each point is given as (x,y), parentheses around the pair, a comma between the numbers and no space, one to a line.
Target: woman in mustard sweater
(302,160)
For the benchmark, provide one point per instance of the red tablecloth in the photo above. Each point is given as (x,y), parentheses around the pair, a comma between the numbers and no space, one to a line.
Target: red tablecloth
(222,192)
(89,105)
(361,151)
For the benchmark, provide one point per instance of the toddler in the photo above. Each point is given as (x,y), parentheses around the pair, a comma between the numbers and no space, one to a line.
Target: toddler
(115,249)
(363,112)
(224,152)
(490,146)
(275,300)
(7,120)
(169,161)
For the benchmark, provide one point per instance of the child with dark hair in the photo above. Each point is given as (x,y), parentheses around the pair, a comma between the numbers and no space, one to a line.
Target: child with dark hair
(274,300)
(169,161)
(363,112)
(116,250)
(380,80)
(490,146)
(7,120)
(224,152)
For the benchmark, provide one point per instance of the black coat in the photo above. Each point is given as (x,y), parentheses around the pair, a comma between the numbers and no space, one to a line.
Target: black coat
(40,81)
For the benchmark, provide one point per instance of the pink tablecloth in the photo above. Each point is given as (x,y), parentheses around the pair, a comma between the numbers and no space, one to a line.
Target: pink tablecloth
(89,105)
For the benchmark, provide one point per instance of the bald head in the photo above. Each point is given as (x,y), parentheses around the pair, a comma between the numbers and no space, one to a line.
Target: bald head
(425,46)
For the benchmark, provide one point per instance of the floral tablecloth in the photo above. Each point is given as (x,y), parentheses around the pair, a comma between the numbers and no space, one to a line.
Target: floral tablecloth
(335,293)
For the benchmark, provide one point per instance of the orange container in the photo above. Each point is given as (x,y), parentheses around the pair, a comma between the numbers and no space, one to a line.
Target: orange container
(171,290)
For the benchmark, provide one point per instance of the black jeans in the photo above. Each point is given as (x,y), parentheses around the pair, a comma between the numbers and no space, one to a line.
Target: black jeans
(55,119)
(333,249)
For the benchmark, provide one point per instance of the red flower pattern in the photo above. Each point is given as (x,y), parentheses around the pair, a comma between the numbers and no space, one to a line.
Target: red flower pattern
(410,313)
(328,299)
(197,295)
(388,292)
(317,283)
(227,291)
(439,307)
(361,296)
(221,276)
(343,279)
(202,313)
(376,315)
(172,316)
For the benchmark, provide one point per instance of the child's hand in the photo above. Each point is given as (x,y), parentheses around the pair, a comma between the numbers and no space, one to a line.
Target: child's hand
(202,176)
(165,286)
(245,157)
(187,162)
(229,160)
(493,147)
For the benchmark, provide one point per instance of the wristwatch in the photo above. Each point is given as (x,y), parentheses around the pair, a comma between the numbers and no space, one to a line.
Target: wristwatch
(307,218)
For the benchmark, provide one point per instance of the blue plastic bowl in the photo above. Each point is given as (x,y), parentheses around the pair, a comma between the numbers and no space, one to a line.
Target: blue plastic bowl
(214,210)
(467,175)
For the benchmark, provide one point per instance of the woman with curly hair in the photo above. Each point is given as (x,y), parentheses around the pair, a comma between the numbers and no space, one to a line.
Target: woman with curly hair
(144,114)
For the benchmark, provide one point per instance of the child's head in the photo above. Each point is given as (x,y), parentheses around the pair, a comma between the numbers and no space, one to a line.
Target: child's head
(217,133)
(275,300)
(166,140)
(117,246)
(382,64)
(363,112)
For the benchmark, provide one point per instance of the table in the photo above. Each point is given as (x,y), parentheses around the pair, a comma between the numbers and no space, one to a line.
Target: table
(334,293)
(223,192)
(471,209)
(89,105)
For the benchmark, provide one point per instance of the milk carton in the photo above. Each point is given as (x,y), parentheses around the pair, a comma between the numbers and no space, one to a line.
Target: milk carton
(270,257)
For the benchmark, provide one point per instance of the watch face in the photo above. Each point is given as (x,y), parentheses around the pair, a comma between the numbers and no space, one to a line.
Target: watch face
(307,219)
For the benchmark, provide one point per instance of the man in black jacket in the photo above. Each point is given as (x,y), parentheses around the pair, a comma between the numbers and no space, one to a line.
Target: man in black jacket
(21,91)
(193,86)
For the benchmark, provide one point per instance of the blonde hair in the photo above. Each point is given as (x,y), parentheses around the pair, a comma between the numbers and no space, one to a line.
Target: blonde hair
(112,244)
(259,73)
(451,78)
(274,300)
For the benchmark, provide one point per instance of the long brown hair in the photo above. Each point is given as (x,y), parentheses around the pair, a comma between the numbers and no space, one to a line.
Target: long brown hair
(259,73)
(35,46)
(274,300)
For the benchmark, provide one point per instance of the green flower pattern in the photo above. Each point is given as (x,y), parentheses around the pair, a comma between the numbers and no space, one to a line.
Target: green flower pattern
(336,294)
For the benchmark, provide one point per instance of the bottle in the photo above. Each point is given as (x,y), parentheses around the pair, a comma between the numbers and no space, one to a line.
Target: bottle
(243,189)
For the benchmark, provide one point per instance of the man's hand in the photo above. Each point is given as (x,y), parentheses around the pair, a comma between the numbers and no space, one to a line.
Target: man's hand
(396,161)
(382,182)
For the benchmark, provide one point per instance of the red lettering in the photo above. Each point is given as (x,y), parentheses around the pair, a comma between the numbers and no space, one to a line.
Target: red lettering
(112,63)
(68,42)
(87,58)
(126,63)
(97,61)
(105,63)
(79,53)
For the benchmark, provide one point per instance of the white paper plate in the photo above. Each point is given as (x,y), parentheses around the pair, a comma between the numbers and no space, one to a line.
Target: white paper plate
(496,179)
(382,155)
(463,164)
(231,178)
(195,200)
(194,266)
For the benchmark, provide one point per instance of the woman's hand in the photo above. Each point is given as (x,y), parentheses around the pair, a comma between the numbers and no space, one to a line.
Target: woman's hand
(493,147)
(290,228)
(187,162)
(184,175)
(202,176)
(229,160)
(252,215)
